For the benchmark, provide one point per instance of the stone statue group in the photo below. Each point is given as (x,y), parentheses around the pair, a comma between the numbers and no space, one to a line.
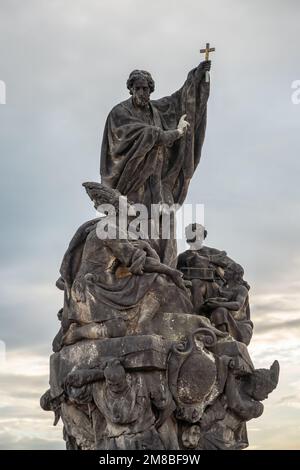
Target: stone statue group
(152,347)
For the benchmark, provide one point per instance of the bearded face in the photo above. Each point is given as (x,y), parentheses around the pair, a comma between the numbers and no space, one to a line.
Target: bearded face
(141,92)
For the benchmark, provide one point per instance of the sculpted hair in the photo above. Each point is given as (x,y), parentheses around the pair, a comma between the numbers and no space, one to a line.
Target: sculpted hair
(135,75)
(101,194)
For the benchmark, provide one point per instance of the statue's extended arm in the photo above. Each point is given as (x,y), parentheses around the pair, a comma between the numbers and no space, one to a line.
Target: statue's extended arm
(234,305)
(202,68)
(168,138)
(213,303)
(198,73)
(81,377)
(130,256)
(177,100)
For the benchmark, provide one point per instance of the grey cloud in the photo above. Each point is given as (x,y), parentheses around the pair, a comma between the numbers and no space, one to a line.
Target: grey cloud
(287,439)
(9,442)
(278,305)
(18,385)
(287,399)
(284,326)
(22,412)
(30,324)
(65,65)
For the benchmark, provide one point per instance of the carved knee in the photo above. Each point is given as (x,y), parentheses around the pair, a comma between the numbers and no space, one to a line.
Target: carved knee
(220,318)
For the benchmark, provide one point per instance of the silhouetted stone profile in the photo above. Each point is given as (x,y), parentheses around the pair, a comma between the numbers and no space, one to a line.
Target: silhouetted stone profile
(148,356)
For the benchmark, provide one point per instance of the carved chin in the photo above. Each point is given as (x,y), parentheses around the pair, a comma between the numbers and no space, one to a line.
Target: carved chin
(142,103)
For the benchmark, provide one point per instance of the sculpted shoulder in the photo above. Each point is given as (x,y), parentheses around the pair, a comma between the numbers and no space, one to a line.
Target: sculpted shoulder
(121,108)
(212,251)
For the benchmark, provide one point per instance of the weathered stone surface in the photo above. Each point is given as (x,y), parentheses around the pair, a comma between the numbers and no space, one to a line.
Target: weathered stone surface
(177,326)
(148,356)
(241,360)
(217,285)
(135,353)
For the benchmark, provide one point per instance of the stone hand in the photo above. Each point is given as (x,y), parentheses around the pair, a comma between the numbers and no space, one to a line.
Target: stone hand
(138,262)
(75,379)
(183,125)
(178,279)
(188,284)
(205,65)
(143,245)
(78,289)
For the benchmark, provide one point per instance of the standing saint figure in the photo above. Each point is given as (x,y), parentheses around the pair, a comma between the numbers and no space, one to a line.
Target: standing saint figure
(151,149)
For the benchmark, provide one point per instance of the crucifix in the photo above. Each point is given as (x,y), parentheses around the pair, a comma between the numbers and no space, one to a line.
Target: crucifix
(206,51)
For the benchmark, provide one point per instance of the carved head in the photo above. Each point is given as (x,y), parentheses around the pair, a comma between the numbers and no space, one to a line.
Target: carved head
(191,436)
(263,381)
(235,272)
(140,85)
(46,401)
(115,376)
(195,232)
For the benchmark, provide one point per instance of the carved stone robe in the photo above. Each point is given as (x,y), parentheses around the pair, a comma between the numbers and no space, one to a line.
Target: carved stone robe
(149,165)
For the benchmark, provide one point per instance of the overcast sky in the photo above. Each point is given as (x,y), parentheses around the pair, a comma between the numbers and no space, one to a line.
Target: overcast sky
(65,64)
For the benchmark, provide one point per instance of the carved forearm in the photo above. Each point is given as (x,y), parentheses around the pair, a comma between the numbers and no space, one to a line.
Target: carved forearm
(122,249)
(81,377)
(168,138)
(230,305)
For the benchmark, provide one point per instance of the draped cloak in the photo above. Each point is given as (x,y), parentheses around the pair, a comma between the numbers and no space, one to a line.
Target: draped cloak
(135,162)
(111,294)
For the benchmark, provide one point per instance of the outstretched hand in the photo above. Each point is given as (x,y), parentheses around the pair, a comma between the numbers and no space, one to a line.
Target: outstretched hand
(205,65)
(75,379)
(182,125)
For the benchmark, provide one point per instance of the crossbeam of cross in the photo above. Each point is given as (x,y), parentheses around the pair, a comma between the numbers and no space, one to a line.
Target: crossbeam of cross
(207,51)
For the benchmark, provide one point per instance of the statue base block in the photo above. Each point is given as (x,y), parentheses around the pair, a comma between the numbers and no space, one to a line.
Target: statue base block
(148,352)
